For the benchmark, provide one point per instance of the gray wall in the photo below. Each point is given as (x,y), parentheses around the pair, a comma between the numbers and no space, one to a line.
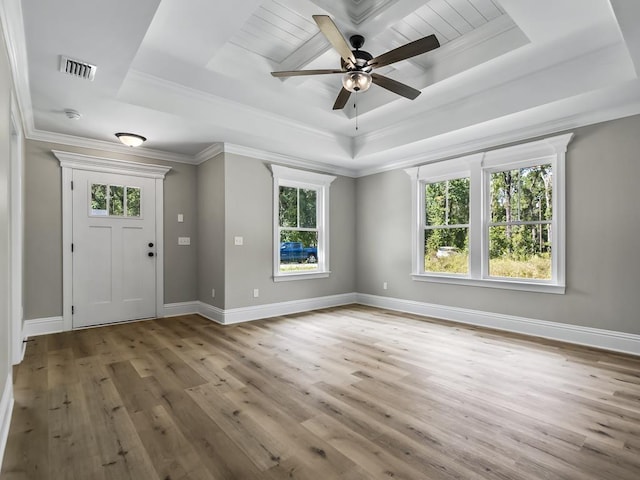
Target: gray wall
(43,229)
(5,275)
(603,228)
(248,212)
(231,195)
(210,241)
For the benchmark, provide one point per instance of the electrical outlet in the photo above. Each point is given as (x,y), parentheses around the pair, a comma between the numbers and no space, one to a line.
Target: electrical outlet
(384,285)
(256,293)
(213,293)
(238,241)
(184,240)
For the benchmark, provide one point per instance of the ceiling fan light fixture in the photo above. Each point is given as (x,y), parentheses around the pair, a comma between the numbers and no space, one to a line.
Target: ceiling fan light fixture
(131,139)
(356,81)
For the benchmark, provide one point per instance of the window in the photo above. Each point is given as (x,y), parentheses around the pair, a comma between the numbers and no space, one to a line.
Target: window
(446,229)
(493,219)
(114,201)
(520,228)
(301,226)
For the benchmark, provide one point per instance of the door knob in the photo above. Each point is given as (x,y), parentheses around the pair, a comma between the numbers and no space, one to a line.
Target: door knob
(150,254)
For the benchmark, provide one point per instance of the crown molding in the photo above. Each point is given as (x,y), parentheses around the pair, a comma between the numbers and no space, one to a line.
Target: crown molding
(288,160)
(208,153)
(112,147)
(455,149)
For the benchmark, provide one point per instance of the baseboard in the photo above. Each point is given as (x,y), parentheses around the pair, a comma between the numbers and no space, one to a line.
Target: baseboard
(183,308)
(212,313)
(247,314)
(591,337)
(42,326)
(6,409)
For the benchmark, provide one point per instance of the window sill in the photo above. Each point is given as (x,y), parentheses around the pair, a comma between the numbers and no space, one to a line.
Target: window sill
(286,277)
(539,287)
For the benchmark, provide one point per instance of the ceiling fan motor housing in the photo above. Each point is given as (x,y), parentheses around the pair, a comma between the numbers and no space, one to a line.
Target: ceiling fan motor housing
(362,58)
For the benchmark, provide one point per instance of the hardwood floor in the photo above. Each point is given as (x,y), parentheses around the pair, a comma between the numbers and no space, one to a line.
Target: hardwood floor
(344,393)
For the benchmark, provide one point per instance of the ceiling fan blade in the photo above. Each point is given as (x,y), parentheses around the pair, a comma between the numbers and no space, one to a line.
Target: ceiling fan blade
(299,73)
(395,86)
(409,50)
(329,30)
(343,98)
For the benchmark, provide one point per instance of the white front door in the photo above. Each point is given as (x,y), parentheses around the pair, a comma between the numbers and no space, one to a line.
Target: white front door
(114,248)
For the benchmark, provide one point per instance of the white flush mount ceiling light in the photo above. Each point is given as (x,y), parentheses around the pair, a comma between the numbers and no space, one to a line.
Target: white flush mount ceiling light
(131,139)
(356,81)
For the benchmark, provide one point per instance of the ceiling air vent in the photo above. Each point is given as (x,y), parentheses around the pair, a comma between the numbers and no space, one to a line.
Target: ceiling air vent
(77,68)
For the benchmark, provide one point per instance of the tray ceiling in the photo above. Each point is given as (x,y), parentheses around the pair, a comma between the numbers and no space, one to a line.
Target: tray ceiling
(194,77)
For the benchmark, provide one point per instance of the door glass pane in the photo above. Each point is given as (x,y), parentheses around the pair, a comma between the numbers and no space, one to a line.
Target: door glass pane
(98,199)
(133,202)
(116,201)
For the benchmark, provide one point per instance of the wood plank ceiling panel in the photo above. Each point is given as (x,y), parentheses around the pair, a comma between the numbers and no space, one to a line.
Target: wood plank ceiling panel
(489,9)
(446,10)
(468,12)
(275,31)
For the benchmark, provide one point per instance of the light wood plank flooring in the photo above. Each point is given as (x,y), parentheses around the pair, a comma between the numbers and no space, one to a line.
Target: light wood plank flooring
(343,393)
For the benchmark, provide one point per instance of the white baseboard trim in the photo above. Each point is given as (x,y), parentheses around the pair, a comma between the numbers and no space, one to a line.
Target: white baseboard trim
(247,314)
(183,308)
(42,326)
(6,409)
(591,337)
(212,313)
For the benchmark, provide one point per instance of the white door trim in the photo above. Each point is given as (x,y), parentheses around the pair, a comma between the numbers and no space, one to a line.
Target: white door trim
(74,161)
(17,232)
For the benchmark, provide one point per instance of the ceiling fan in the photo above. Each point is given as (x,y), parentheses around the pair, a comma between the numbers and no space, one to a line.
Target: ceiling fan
(357,65)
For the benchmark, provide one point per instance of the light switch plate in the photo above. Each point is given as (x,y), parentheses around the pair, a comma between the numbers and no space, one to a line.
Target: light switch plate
(238,241)
(180,218)
(184,240)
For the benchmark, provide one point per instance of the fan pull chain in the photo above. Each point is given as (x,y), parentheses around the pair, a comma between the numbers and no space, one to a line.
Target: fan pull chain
(355,105)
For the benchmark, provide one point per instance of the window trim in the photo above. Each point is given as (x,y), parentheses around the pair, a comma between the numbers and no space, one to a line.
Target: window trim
(479,167)
(291,177)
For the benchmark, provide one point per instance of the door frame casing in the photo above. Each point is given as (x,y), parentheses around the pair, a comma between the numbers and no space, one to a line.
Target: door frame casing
(69,162)
(17,234)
